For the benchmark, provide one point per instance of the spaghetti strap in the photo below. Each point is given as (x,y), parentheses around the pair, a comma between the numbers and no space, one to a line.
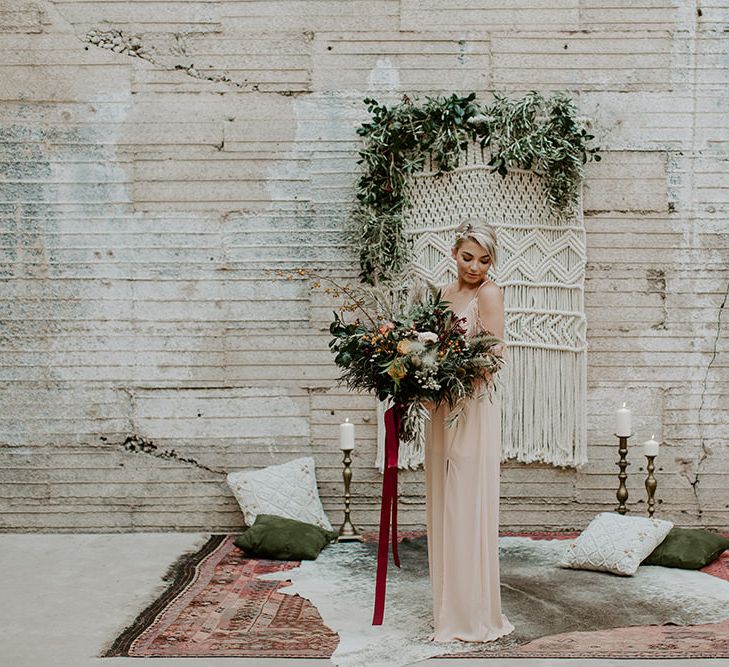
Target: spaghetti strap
(470,301)
(480,287)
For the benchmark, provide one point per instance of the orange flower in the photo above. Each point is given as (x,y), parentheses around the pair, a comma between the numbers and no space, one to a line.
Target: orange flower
(397,370)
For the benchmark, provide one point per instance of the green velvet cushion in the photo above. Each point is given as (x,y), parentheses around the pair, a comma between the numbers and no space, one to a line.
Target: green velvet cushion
(687,548)
(284,539)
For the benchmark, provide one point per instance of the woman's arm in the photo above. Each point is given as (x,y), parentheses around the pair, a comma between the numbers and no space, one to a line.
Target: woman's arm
(490,316)
(491,309)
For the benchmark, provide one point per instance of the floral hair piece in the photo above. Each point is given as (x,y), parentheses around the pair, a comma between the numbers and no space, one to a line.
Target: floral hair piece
(464,232)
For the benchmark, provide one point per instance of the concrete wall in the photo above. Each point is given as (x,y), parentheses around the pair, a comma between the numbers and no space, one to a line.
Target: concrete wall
(144,192)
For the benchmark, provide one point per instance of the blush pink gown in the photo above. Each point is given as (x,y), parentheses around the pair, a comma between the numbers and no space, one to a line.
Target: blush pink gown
(462,466)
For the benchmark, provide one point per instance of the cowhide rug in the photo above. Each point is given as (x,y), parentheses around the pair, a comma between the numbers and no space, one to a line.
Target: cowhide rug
(538,597)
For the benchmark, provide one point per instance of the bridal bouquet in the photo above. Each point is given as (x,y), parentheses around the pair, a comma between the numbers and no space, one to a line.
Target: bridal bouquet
(422,356)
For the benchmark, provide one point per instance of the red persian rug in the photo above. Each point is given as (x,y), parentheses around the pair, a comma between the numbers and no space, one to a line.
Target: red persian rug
(215,605)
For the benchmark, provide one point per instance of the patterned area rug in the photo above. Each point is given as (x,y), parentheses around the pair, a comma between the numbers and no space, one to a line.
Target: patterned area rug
(217,604)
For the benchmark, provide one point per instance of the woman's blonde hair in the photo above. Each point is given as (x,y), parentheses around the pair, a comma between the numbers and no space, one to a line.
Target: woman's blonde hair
(480,231)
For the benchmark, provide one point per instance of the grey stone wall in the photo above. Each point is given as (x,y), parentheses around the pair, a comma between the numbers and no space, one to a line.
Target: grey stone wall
(158,157)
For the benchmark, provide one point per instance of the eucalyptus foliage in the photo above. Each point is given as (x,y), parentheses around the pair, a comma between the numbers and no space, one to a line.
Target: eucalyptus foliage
(535,133)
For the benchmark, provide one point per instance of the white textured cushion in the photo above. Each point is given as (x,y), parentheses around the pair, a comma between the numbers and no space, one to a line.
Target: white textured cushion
(287,490)
(615,543)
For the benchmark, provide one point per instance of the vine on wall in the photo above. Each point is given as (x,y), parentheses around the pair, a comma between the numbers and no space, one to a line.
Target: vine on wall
(537,133)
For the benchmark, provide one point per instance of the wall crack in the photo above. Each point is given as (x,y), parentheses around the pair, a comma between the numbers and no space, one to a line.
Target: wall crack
(138,445)
(705,449)
(132,46)
(657,285)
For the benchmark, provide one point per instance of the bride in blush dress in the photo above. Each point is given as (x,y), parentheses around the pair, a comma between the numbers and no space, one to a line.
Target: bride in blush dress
(462,466)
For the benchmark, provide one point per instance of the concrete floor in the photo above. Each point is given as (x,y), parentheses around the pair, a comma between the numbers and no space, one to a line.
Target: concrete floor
(64,597)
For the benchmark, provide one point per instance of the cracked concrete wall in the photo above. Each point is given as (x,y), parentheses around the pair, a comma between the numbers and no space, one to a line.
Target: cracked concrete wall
(158,158)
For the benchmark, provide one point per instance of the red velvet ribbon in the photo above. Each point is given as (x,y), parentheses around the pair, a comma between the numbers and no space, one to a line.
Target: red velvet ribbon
(388,509)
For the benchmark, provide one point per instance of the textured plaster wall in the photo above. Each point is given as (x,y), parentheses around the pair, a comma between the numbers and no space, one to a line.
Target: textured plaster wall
(157,157)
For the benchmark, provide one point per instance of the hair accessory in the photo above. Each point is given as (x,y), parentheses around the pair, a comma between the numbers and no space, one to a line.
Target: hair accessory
(464,232)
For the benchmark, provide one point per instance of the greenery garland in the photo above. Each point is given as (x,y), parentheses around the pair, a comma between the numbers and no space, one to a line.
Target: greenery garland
(535,133)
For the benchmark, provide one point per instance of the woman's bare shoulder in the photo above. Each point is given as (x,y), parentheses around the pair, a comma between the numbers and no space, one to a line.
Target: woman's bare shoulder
(489,287)
(490,293)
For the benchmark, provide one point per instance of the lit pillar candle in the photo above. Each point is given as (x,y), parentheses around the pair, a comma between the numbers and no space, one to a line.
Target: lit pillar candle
(650,447)
(346,435)
(622,427)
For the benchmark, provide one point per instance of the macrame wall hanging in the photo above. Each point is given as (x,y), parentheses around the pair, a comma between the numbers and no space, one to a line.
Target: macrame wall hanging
(541,269)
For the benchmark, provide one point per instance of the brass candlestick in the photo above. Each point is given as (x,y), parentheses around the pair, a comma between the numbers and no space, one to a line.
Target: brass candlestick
(622,476)
(650,486)
(347,532)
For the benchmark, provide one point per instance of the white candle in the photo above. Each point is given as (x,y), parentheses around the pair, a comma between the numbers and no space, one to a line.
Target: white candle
(622,416)
(650,447)
(346,435)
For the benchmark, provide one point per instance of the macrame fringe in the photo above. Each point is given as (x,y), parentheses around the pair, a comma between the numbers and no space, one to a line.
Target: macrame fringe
(542,414)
